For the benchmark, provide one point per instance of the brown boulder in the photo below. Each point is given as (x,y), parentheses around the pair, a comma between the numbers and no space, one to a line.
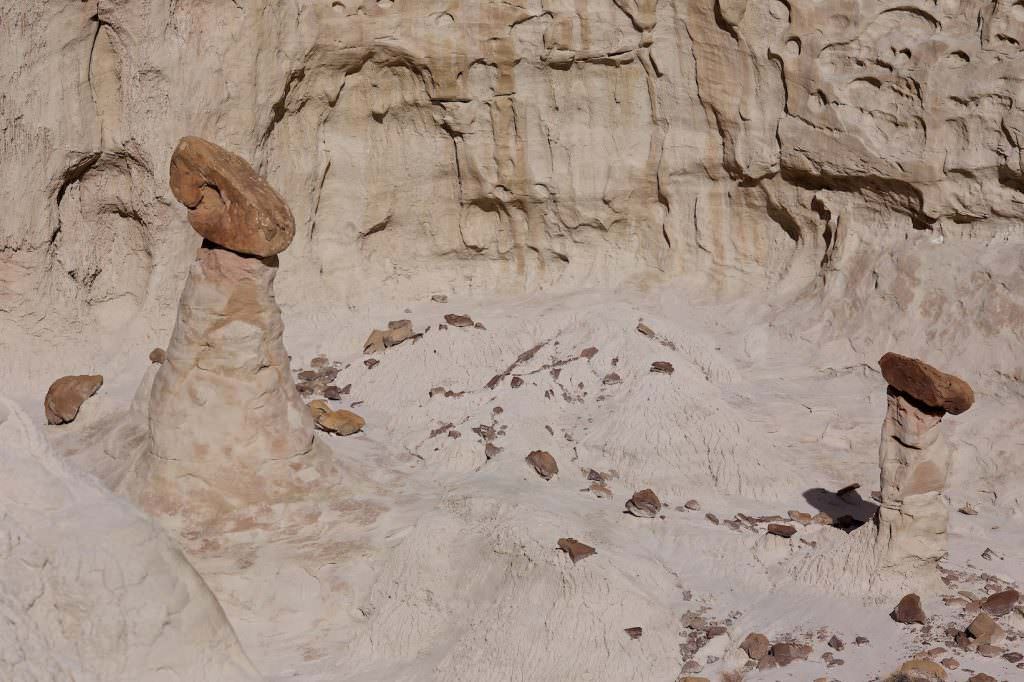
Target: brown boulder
(984,630)
(923,670)
(228,202)
(1000,603)
(926,384)
(66,395)
(662,367)
(340,422)
(756,646)
(543,463)
(909,610)
(157,356)
(576,550)
(644,503)
(981,677)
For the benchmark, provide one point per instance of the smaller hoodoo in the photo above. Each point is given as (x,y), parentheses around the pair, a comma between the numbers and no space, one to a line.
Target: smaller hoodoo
(900,548)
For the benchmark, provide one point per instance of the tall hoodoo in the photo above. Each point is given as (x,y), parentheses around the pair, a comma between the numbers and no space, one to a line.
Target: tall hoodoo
(227,427)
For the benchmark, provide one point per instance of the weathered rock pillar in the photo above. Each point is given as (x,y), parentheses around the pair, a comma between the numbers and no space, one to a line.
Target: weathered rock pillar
(914,460)
(228,429)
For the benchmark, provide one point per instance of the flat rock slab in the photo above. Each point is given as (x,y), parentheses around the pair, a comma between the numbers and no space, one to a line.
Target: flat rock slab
(228,202)
(576,550)
(926,384)
(66,395)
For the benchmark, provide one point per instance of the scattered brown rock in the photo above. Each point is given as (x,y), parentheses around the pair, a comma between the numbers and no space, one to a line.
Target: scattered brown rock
(989,651)
(588,353)
(662,367)
(924,670)
(517,382)
(318,408)
(157,356)
(926,384)
(371,363)
(374,342)
(645,330)
(822,519)
(836,643)
(860,640)
(644,503)
(66,395)
(787,652)
(333,393)
(909,610)
(800,517)
(847,489)
(984,630)
(968,510)
(950,663)
(781,529)
(611,379)
(439,298)
(307,375)
(1014,657)
(543,463)
(981,677)
(1000,603)
(458,320)
(712,518)
(228,202)
(340,422)
(635,632)
(576,550)
(692,505)
(756,646)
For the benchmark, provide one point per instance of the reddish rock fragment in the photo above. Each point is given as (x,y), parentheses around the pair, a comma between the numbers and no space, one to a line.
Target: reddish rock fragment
(543,463)
(576,550)
(65,397)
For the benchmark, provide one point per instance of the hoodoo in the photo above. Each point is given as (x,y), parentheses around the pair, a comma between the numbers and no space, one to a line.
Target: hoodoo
(227,426)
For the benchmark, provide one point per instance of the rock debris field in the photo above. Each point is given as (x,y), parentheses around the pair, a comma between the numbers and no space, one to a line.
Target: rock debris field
(607,341)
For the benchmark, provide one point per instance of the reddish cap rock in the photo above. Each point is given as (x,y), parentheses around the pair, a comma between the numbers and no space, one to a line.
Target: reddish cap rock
(228,202)
(926,384)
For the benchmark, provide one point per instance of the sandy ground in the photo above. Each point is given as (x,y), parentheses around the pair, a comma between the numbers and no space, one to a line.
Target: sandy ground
(434,562)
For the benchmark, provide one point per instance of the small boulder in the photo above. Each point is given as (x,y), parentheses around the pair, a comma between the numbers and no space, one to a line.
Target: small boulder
(981,677)
(458,320)
(635,632)
(909,610)
(645,330)
(611,379)
(836,643)
(781,529)
(340,422)
(644,503)
(543,463)
(984,630)
(756,646)
(157,356)
(692,505)
(1000,603)
(66,395)
(318,408)
(923,670)
(576,550)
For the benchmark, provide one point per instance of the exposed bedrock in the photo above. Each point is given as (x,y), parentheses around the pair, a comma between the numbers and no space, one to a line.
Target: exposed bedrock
(847,150)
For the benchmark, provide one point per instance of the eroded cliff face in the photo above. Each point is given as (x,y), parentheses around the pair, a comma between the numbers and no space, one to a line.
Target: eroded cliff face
(862,158)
